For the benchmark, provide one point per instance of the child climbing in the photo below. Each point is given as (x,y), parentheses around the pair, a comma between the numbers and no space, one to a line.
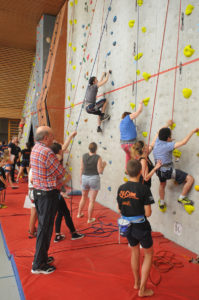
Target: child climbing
(134,203)
(128,131)
(163,151)
(93,107)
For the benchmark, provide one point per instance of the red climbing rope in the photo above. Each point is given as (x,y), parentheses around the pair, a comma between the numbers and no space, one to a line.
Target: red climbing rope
(174,88)
(165,23)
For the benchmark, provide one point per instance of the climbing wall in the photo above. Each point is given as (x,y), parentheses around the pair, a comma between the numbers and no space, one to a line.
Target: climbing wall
(152,49)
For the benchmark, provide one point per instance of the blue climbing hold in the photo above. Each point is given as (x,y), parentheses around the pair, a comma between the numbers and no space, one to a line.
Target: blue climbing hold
(112,82)
(109,188)
(84,34)
(100,142)
(110,162)
(109,53)
(104,148)
(114,43)
(112,102)
(109,9)
(83,26)
(111,32)
(115,19)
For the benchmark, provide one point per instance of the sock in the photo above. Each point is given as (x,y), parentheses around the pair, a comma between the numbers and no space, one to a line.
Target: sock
(162,202)
(181,197)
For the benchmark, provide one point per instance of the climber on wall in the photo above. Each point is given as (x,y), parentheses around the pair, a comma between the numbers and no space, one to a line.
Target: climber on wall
(93,107)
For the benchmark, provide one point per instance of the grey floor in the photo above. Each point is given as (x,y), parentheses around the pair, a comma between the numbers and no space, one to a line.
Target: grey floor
(8,285)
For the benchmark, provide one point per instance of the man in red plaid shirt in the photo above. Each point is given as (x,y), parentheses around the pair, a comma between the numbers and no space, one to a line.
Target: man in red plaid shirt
(47,175)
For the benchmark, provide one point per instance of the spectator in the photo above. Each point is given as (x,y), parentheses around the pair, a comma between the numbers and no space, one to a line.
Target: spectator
(47,172)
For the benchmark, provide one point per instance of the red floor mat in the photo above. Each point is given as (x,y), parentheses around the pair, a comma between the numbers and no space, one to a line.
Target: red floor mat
(95,267)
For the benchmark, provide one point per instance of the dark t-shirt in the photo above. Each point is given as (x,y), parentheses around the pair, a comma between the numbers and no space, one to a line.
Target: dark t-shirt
(2,174)
(132,197)
(25,154)
(150,168)
(14,150)
(90,164)
(91,94)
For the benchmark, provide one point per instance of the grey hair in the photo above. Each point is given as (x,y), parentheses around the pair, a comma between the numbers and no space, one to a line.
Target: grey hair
(40,135)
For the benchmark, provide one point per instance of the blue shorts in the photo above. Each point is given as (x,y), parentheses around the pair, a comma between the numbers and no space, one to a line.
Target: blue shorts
(171,173)
(91,182)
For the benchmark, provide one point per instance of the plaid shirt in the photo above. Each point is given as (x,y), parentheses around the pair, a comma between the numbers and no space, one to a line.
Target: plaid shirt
(47,171)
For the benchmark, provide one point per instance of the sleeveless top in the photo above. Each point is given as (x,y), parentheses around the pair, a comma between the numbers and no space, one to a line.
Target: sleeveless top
(90,164)
(150,168)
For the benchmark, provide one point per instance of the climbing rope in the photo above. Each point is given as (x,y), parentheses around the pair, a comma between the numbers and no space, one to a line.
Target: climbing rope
(174,88)
(100,34)
(160,60)
(137,48)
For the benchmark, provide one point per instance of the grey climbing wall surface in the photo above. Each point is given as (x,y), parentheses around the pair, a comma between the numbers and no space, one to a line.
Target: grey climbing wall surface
(131,47)
(43,39)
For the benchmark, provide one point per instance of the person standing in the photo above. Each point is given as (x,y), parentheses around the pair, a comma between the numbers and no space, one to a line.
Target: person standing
(14,150)
(47,176)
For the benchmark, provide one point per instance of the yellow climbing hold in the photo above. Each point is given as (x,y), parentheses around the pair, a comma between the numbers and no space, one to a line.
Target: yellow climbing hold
(146,76)
(125,179)
(140,2)
(138,72)
(70,168)
(68,115)
(76,1)
(146,101)
(197,133)
(69,79)
(189,209)
(74,67)
(75,21)
(197,188)
(144,133)
(173,126)
(143,29)
(69,44)
(131,23)
(71,22)
(138,56)
(74,49)
(186,92)
(69,98)
(132,105)
(72,105)
(189,9)
(71,3)
(67,132)
(72,123)
(177,153)
(73,86)
(70,62)
(188,51)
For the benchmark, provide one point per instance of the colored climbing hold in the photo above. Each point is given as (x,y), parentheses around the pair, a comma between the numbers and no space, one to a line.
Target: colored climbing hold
(109,8)
(173,126)
(104,148)
(75,21)
(83,26)
(112,102)
(110,162)
(197,133)
(74,67)
(143,29)
(70,62)
(132,105)
(146,76)
(69,79)
(114,43)
(69,44)
(189,9)
(186,92)
(188,51)
(72,123)
(68,115)
(131,23)
(71,22)
(69,98)
(138,72)
(177,153)
(138,56)
(112,82)
(146,101)
(115,19)
(109,188)
(70,168)
(74,49)
(79,142)
(71,3)
(73,86)
(72,105)
(67,132)
(88,57)
(140,2)
(125,179)
(76,1)
(111,32)
(109,53)
(189,209)
(85,120)
(144,133)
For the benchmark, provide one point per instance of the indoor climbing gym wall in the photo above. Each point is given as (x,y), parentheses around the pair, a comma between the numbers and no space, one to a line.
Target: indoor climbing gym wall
(152,48)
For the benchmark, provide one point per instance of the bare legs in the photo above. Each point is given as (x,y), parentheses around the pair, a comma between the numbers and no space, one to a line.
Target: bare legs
(33,219)
(188,184)
(140,283)
(99,122)
(93,195)
(162,190)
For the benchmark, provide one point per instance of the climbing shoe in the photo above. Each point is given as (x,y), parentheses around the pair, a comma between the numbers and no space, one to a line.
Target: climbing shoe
(99,129)
(185,201)
(162,207)
(105,117)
